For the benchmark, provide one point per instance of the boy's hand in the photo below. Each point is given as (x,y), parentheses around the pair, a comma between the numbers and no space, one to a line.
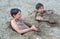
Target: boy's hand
(39,18)
(34,28)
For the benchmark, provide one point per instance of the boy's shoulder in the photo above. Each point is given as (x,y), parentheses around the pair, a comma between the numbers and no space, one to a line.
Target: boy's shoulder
(13,21)
(49,11)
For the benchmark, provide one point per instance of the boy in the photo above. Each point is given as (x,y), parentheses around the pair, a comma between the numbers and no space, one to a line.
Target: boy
(41,13)
(18,24)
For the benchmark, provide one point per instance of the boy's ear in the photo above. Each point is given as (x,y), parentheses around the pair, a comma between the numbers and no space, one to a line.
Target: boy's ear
(13,15)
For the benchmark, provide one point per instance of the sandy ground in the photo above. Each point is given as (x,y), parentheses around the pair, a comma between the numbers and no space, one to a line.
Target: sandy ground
(27,6)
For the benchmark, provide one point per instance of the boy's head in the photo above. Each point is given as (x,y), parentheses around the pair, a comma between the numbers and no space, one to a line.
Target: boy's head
(15,13)
(40,7)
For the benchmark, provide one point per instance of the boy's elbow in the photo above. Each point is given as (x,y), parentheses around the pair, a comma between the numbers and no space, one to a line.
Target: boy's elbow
(20,32)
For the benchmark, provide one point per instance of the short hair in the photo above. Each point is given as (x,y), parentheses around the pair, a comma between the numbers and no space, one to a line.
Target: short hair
(38,5)
(14,11)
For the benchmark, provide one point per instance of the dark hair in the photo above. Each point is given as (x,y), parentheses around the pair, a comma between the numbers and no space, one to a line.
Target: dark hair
(38,5)
(14,11)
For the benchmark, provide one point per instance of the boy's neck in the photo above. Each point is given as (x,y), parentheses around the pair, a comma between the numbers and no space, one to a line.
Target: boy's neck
(41,12)
(15,19)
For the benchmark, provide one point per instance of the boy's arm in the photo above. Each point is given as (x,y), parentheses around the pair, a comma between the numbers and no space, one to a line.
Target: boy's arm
(50,12)
(28,24)
(19,30)
(41,19)
(38,17)
(51,21)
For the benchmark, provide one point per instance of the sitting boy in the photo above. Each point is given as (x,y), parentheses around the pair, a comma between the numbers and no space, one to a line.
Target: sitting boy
(18,24)
(41,13)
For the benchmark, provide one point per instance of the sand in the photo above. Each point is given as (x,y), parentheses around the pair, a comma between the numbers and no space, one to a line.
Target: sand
(27,6)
